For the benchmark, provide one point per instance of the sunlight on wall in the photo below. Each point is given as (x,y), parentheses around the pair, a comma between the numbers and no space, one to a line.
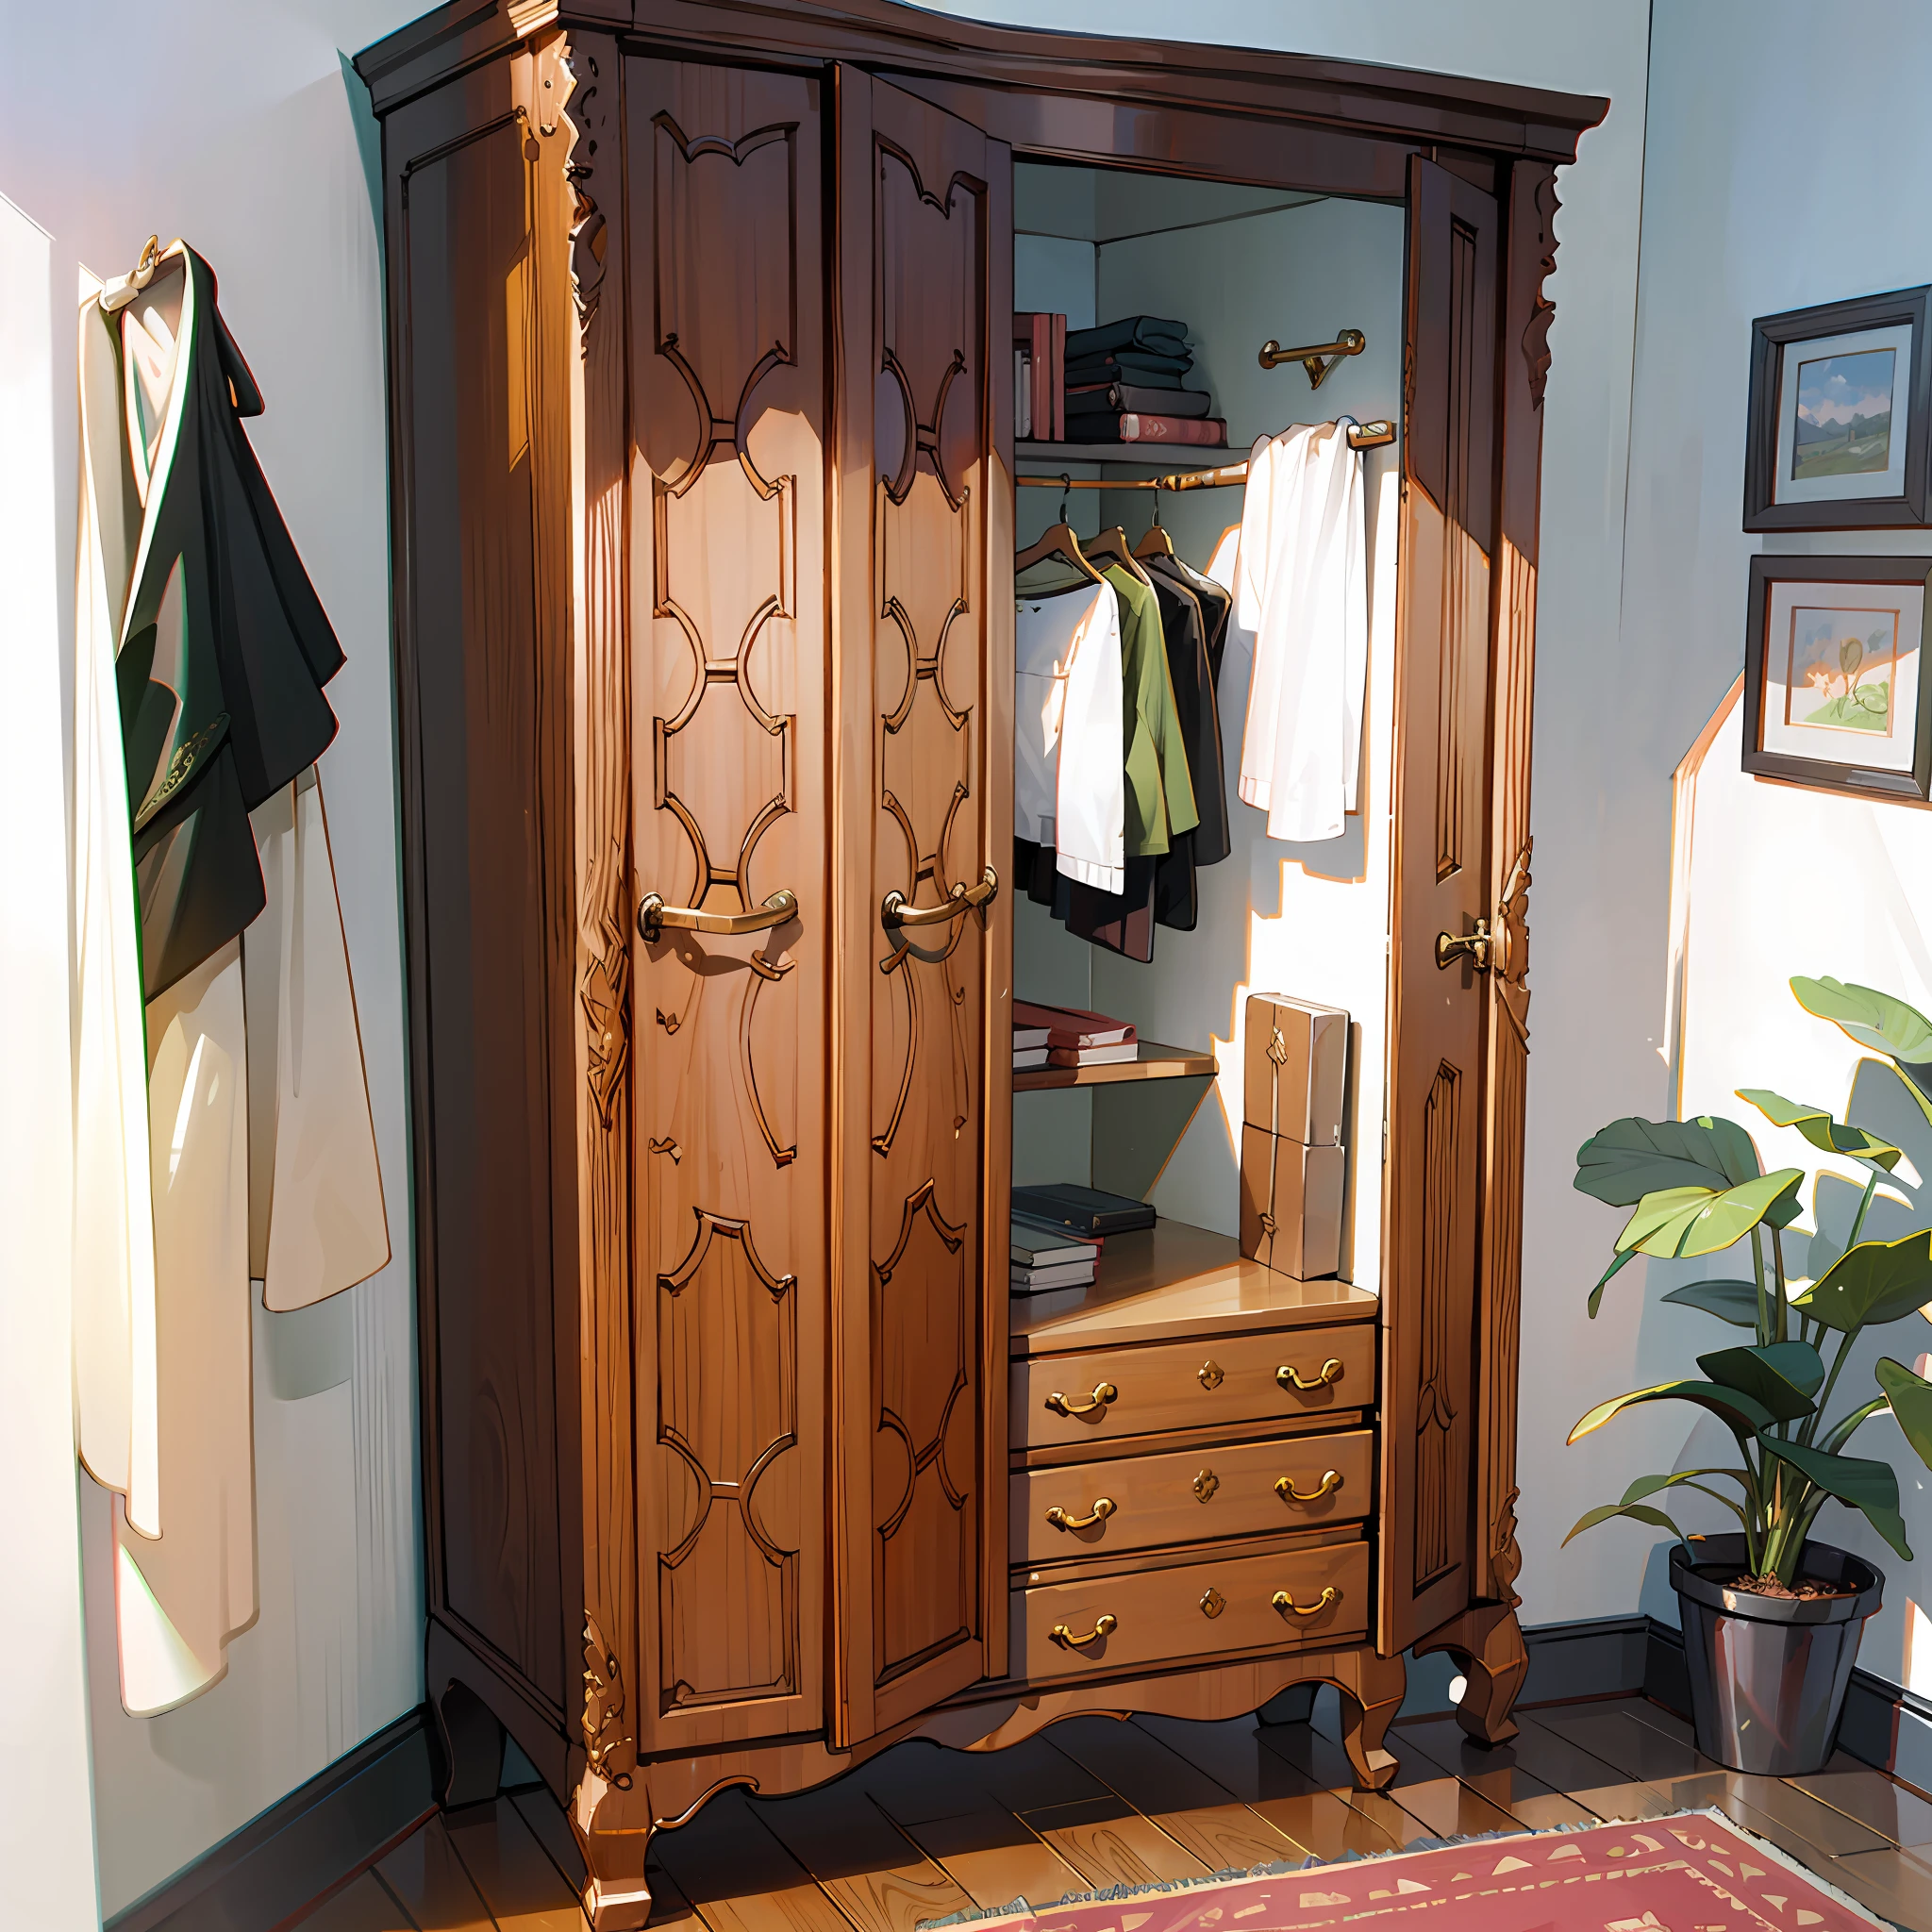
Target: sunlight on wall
(1771,880)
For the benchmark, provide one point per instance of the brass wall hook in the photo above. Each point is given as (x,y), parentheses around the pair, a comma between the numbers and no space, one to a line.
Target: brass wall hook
(1318,358)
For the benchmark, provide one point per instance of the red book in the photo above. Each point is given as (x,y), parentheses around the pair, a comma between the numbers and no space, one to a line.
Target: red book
(1209,432)
(1056,378)
(1070,1029)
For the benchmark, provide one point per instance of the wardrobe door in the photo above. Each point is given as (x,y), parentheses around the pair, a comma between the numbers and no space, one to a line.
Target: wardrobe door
(924,696)
(1442,815)
(730,679)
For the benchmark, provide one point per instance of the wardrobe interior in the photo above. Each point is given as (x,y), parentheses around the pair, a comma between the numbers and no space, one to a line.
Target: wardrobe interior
(1241,266)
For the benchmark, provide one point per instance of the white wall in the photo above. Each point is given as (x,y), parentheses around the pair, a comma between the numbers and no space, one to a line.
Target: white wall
(1600,847)
(47,1811)
(1743,216)
(231,126)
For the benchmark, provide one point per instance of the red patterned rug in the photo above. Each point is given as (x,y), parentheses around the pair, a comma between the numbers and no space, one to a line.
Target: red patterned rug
(1692,1872)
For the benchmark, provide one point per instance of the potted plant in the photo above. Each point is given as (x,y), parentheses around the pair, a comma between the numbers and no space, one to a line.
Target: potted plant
(1771,1616)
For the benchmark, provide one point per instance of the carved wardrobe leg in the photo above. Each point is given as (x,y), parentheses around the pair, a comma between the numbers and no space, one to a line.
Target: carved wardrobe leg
(471,1747)
(1371,1689)
(613,1827)
(1486,1641)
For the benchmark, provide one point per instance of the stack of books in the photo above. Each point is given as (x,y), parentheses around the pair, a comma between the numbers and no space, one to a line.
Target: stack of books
(1046,1256)
(1029,1047)
(1039,357)
(1089,1212)
(1125,385)
(1072,1038)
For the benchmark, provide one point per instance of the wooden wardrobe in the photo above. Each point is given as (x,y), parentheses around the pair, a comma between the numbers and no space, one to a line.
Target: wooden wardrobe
(703,493)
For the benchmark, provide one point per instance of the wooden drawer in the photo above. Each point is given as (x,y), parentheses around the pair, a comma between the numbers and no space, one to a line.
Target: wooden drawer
(1192,1610)
(1182,1385)
(1192,1497)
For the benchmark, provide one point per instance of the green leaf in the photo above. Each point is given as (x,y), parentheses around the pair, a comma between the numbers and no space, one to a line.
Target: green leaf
(1876,1281)
(1642,1512)
(1910,1397)
(1874,1019)
(1596,1294)
(1818,1127)
(1783,1376)
(1735,1302)
(1872,1487)
(1700,1220)
(1649,1484)
(1740,1410)
(1633,1158)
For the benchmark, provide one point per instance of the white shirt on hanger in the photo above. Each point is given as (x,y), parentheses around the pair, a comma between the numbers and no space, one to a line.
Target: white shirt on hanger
(1068,778)
(1301,586)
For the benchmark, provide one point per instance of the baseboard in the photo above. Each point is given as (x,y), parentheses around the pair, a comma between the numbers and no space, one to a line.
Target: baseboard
(296,1852)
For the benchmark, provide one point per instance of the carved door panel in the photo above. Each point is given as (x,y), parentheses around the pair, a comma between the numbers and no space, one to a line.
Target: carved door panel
(730,679)
(925,695)
(1443,802)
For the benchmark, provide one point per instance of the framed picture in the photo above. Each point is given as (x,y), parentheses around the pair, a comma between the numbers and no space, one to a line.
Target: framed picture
(1835,692)
(1839,434)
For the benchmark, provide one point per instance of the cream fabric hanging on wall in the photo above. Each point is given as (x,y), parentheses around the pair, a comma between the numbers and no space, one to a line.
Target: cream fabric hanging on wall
(223,1133)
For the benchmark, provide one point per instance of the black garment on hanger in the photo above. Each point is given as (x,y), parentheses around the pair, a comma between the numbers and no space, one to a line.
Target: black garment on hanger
(1216,606)
(1183,624)
(1121,921)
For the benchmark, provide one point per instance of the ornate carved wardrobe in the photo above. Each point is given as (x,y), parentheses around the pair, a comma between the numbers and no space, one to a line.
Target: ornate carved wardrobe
(702,472)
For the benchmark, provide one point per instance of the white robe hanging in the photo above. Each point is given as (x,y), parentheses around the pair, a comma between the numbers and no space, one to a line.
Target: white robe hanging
(221,1134)
(1301,587)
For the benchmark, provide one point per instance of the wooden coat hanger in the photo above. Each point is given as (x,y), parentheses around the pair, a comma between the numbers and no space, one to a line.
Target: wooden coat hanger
(1059,540)
(1112,547)
(1157,543)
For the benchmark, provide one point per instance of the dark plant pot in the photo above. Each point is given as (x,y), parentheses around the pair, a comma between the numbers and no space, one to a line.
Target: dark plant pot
(1769,1675)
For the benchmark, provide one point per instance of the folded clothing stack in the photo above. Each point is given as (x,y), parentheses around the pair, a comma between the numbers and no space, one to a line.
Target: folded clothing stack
(1045,1256)
(1090,1212)
(1125,385)
(1072,1038)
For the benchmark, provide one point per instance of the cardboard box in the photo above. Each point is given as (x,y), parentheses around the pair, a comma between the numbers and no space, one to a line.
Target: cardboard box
(1291,1204)
(1296,1068)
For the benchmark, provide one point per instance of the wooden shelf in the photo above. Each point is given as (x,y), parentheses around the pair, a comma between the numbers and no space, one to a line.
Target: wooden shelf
(1157,1062)
(1171,1281)
(1146,456)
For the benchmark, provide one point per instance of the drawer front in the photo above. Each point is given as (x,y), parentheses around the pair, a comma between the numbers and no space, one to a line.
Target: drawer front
(1184,1385)
(1212,1607)
(1239,1489)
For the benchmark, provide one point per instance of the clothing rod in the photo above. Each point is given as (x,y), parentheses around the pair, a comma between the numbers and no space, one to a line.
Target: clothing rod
(1365,436)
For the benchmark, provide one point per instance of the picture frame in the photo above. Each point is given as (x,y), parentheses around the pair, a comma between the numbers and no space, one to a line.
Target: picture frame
(1836,694)
(1839,430)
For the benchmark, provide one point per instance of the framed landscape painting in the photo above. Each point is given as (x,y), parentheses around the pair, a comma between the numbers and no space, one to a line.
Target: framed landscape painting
(1835,689)
(1840,429)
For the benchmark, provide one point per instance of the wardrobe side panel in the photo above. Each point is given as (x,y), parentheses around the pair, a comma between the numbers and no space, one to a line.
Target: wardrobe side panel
(1437,1062)
(484,684)
(730,677)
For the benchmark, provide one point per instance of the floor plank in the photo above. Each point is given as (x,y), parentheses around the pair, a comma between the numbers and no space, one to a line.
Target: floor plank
(1231,1753)
(1895,1884)
(425,1873)
(365,1905)
(1492,1774)
(1195,1810)
(739,1877)
(864,1863)
(1582,1776)
(525,1891)
(1873,1799)
(551,1829)
(1109,1843)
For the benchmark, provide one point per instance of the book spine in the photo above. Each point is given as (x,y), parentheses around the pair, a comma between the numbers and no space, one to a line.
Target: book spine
(1203,432)
(1042,377)
(1057,376)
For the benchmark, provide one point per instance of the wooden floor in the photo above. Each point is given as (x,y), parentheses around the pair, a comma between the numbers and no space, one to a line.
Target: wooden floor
(921,1832)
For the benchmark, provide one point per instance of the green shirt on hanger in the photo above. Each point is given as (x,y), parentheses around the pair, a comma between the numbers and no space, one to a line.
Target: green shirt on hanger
(1161,790)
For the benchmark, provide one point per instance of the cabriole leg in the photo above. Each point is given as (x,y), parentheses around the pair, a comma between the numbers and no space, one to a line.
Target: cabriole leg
(1371,1689)
(471,1747)
(1486,1641)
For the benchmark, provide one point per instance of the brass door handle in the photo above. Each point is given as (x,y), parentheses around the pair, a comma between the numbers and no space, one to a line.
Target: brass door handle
(1288,1608)
(1285,1488)
(1071,1639)
(654,916)
(1075,1405)
(1291,1376)
(896,911)
(1102,1508)
(1473,945)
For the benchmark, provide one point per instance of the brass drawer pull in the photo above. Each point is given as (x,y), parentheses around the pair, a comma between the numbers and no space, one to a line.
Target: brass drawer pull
(1288,1608)
(654,916)
(896,911)
(1285,1488)
(1291,1376)
(1075,1405)
(1071,1639)
(1101,1510)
